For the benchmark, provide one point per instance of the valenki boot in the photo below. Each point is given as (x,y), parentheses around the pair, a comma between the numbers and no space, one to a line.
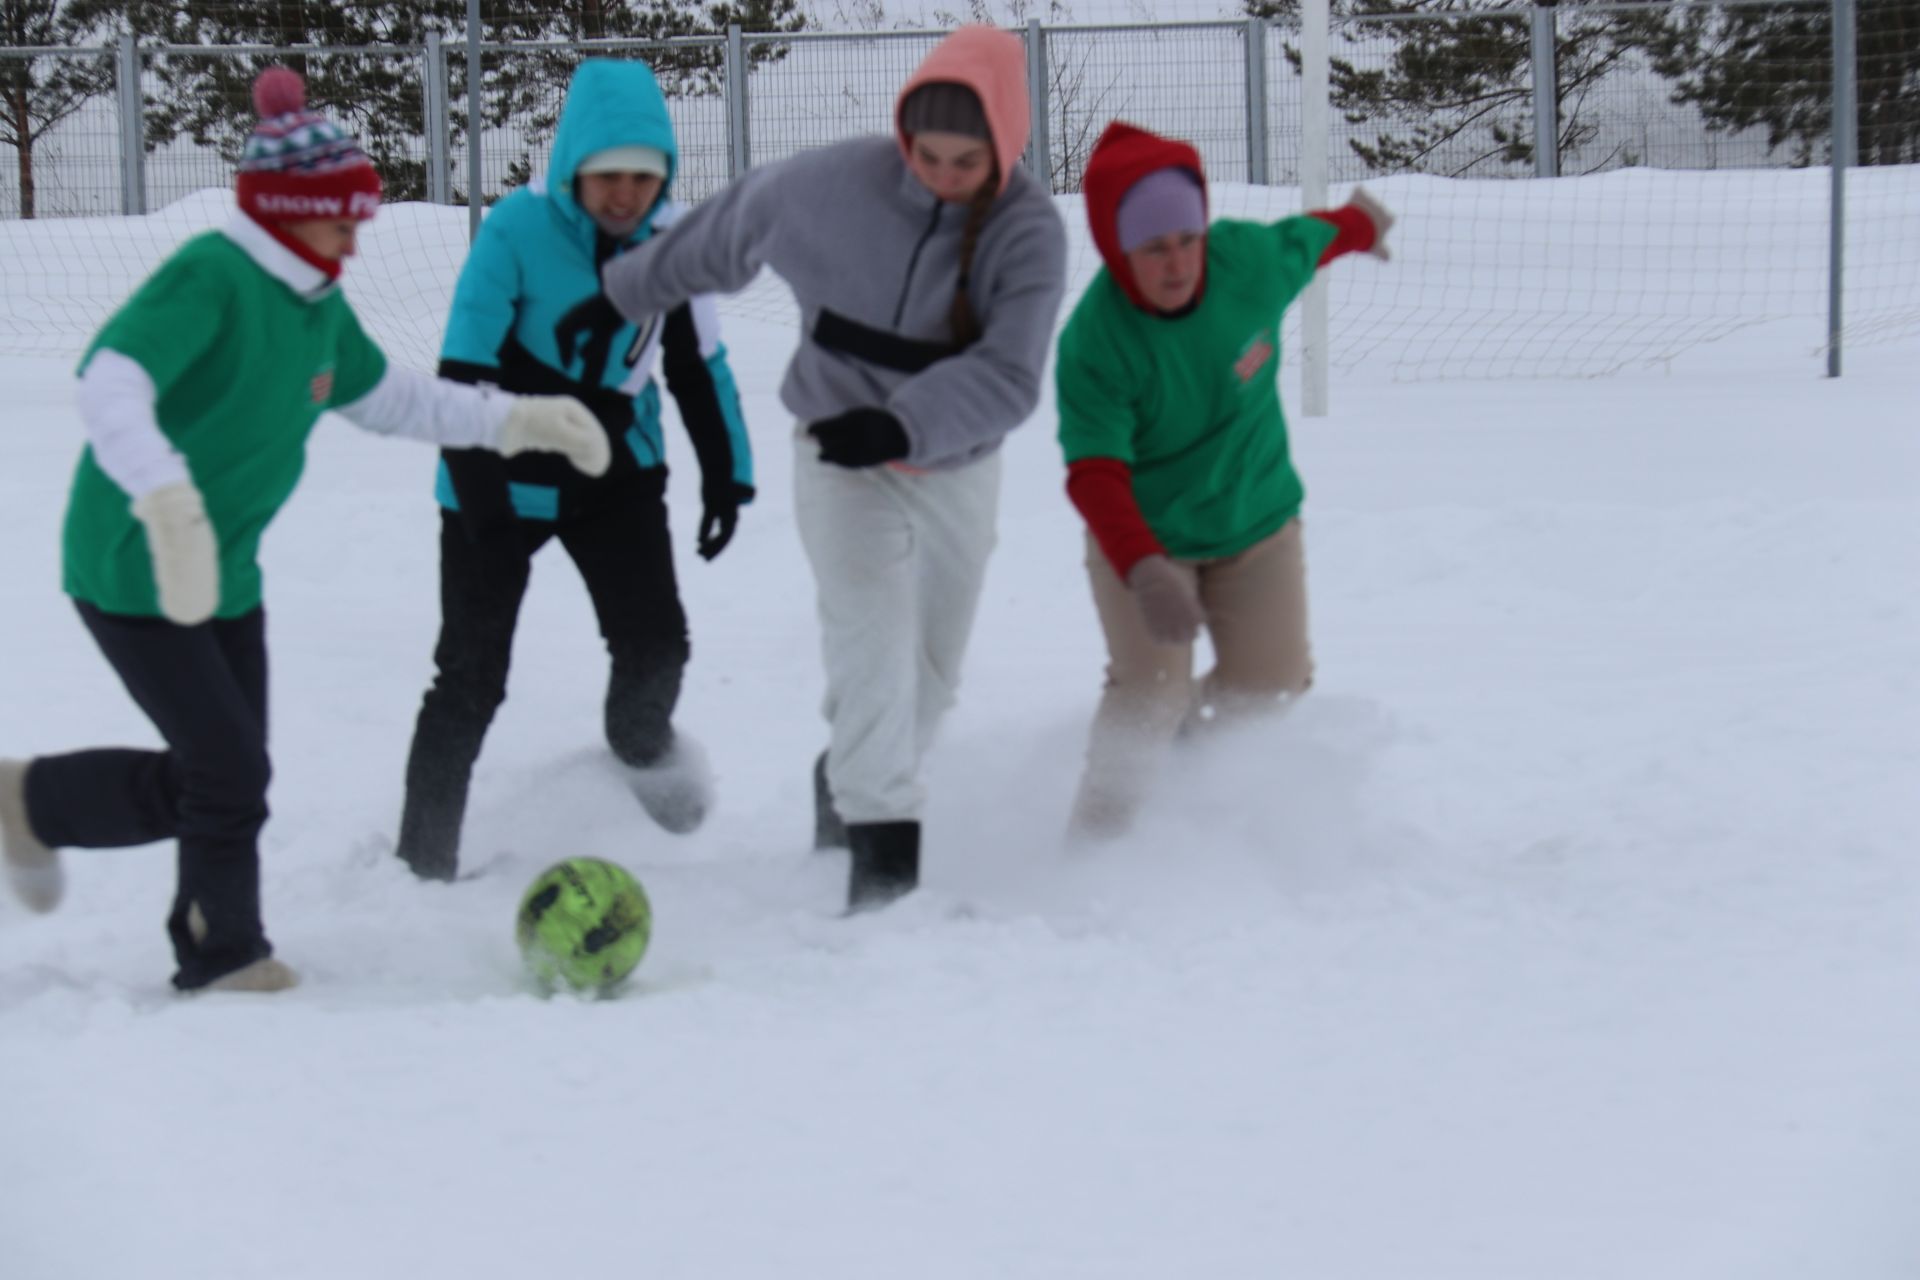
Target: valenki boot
(32,868)
(263,976)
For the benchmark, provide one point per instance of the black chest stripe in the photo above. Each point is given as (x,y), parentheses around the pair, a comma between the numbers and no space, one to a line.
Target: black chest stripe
(835,332)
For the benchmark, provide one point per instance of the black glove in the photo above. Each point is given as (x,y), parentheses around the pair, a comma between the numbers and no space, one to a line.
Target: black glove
(719,513)
(861,438)
(589,327)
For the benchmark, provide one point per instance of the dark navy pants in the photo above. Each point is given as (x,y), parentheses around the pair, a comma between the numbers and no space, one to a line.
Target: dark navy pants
(621,546)
(205,689)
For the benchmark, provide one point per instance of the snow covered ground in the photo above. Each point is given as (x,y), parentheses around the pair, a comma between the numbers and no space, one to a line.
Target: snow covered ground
(1570,929)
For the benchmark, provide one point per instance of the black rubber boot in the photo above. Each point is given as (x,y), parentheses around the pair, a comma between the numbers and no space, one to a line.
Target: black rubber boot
(429,839)
(886,863)
(828,831)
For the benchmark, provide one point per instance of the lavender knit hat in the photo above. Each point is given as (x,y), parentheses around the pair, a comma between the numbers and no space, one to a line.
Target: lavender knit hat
(1163,202)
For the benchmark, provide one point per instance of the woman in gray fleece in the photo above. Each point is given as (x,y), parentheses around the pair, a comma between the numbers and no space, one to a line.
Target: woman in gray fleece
(929,270)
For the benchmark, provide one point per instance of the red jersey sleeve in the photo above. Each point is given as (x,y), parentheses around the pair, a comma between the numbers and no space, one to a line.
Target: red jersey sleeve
(1356,230)
(1102,490)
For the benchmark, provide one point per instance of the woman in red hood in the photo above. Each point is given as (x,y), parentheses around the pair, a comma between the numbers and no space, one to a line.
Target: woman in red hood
(1177,453)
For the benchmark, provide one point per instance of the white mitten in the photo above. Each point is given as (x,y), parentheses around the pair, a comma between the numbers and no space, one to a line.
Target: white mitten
(1169,601)
(186,555)
(556,424)
(1363,200)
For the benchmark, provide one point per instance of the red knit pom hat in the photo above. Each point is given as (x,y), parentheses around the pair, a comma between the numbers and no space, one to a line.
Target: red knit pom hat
(299,165)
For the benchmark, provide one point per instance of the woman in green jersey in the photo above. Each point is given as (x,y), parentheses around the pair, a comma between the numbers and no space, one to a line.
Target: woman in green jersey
(1177,453)
(198,396)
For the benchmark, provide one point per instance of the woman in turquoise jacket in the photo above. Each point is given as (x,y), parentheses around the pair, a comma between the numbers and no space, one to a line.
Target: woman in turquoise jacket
(527,315)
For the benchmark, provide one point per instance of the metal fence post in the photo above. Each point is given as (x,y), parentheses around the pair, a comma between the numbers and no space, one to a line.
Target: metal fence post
(475,177)
(433,71)
(1316,124)
(739,139)
(1846,122)
(1040,141)
(133,127)
(1256,38)
(1546,92)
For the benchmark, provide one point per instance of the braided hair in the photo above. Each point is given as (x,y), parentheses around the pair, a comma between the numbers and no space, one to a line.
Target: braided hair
(962,319)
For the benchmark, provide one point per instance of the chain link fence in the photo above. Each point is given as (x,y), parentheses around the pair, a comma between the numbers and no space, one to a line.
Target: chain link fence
(1458,94)
(1434,105)
(63,153)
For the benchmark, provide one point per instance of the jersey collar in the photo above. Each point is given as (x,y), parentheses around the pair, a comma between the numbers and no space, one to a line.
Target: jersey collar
(277,260)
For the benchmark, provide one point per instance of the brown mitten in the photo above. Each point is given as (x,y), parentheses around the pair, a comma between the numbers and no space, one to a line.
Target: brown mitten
(1169,599)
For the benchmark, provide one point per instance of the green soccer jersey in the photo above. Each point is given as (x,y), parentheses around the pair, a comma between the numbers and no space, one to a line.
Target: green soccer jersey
(1191,403)
(242,367)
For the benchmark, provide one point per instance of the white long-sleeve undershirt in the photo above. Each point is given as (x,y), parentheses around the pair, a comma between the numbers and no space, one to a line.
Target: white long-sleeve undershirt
(116,403)
(117,399)
(419,406)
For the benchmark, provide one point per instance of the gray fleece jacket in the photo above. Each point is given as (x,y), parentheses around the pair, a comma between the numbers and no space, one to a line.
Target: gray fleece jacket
(873,259)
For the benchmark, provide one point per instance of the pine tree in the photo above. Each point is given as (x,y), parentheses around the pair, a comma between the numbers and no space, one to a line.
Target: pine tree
(378,96)
(1772,67)
(521,87)
(1455,95)
(36,94)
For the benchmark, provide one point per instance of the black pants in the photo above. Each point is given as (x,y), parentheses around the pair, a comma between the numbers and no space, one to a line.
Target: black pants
(620,544)
(205,689)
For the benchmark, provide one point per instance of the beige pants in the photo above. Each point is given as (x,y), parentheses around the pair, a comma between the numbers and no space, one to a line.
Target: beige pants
(1256,610)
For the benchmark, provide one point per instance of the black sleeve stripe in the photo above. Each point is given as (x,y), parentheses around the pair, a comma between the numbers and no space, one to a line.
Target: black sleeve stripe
(692,387)
(469,372)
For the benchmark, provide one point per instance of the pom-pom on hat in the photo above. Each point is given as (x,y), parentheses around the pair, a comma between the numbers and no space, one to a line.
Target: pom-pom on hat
(298,164)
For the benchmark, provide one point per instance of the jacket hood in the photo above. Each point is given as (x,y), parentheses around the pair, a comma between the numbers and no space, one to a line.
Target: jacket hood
(992,63)
(611,103)
(1125,154)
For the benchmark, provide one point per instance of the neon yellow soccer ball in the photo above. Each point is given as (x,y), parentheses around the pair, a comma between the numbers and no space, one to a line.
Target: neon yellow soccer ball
(584,924)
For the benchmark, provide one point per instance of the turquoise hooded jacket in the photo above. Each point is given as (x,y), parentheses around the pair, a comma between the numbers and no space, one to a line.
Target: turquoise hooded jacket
(536,259)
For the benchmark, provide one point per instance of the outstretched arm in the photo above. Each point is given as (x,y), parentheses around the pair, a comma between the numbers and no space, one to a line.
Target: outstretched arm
(1361,225)
(458,416)
(716,248)
(417,406)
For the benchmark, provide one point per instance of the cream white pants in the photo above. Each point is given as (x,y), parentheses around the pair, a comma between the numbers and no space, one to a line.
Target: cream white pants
(898,560)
